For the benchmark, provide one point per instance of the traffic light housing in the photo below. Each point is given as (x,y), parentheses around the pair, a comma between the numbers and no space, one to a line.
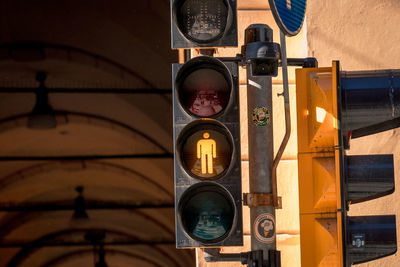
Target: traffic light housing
(208,205)
(331,106)
(203,23)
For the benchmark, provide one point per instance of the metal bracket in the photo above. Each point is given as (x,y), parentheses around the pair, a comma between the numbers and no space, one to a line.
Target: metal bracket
(206,51)
(254,258)
(261,199)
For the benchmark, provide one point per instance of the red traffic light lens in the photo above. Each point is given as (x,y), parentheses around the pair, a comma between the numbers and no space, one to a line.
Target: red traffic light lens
(202,20)
(207,212)
(204,87)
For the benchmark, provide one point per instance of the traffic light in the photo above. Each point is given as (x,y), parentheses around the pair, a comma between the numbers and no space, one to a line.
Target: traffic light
(332,107)
(203,23)
(208,206)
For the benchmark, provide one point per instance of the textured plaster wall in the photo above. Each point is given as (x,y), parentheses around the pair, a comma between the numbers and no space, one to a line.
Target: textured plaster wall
(362,34)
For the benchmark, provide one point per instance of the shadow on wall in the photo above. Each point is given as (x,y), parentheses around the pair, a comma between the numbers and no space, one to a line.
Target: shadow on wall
(334,44)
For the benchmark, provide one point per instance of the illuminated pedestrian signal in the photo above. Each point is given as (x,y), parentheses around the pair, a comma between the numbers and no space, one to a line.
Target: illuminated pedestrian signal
(207,152)
(332,107)
(208,203)
(203,23)
(205,149)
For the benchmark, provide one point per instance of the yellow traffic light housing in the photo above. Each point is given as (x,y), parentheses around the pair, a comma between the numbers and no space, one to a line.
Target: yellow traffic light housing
(317,109)
(329,180)
(319,177)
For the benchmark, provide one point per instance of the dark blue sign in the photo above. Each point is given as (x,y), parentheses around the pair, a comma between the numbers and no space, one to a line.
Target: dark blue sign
(288,14)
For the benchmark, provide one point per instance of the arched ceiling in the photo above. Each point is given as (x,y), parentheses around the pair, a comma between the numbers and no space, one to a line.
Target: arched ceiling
(116,146)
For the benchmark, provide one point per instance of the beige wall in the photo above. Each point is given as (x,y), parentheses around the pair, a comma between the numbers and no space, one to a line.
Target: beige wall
(362,34)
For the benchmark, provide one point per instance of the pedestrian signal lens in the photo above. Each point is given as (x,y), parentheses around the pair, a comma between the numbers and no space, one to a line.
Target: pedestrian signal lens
(207,212)
(206,150)
(202,20)
(204,88)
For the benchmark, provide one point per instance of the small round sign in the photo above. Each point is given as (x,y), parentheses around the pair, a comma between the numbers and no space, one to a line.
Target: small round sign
(288,14)
(261,116)
(264,228)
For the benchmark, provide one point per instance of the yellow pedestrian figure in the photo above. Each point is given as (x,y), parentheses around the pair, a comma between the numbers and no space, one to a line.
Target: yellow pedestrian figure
(206,151)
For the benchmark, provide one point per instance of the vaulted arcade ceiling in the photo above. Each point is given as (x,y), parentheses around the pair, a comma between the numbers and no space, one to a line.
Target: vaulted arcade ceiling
(100,183)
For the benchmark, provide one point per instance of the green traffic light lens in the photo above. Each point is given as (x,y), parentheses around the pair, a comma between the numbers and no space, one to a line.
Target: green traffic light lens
(202,20)
(207,212)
